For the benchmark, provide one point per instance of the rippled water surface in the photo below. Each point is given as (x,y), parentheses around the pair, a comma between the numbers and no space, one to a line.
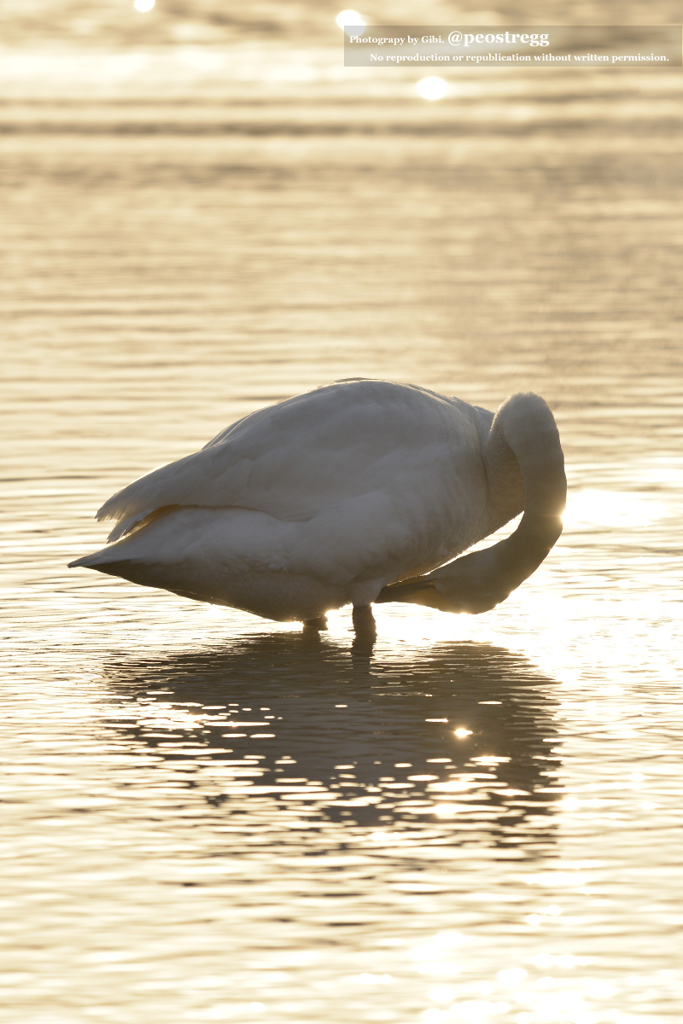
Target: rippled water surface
(212,817)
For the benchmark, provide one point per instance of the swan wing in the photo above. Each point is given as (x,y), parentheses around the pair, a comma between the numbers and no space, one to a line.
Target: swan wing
(296,458)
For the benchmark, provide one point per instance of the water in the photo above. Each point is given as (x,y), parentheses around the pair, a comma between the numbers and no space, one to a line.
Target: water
(213,817)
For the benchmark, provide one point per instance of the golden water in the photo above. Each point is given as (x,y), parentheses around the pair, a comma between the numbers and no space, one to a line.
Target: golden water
(213,817)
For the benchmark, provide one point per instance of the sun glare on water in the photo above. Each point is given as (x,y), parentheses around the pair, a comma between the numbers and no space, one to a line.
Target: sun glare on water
(432,88)
(611,508)
(349,17)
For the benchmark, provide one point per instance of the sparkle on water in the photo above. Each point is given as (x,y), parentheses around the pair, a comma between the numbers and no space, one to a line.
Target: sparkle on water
(349,17)
(432,88)
(210,817)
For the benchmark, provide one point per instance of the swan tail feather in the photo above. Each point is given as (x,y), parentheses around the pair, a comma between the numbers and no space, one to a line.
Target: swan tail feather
(121,567)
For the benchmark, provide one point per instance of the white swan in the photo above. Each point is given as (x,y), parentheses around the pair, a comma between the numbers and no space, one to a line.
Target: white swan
(347,494)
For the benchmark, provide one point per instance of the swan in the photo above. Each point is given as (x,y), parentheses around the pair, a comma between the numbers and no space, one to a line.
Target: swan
(357,492)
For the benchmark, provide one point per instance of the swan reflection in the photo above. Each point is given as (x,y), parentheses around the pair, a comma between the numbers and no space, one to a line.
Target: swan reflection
(452,741)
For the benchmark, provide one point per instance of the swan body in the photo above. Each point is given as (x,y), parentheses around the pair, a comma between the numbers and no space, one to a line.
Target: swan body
(351,493)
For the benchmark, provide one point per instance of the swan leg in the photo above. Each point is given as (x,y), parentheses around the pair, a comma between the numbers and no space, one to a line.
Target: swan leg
(364,620)
(315,625)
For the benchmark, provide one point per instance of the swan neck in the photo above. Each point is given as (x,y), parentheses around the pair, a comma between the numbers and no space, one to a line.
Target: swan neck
(524,429)
(503,476)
